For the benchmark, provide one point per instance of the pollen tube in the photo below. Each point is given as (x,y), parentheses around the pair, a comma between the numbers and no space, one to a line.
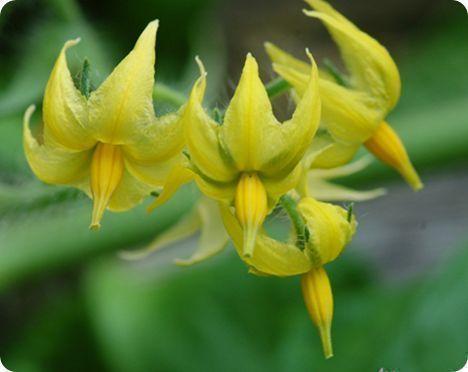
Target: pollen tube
(387,146)
(251,208)
(107,168)
(318,298)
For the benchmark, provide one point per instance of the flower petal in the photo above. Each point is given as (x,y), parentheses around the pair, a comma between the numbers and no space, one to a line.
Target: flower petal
(281,57)
(65,109)
(327,191)
(289,142)
(161,140)
(178,176)
(213,238)
(55,165)
(329,227)
(128,193)
(376,74)
(182,229)
(329,153)
(201,133)
(270,256)
(154,174)
(122,107)
(344,170)
(348,115)
(248,120)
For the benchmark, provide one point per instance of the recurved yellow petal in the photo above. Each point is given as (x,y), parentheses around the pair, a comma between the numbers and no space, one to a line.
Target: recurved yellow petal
(327,153)
(65,110)
(349,115)
(286,144)
(327,191)
(329,227)
(55,165)
(187,226)
(376,74)
(202,136)
(249,119)
(123,106)
(213,238)
(317,293)
(129,192)
(270,257)
(283,58)
(320,188)
(160,140)
(178,176)
(387,147)
(154,174)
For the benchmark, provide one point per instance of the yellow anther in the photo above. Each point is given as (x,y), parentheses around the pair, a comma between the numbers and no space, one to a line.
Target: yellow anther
(387,146)
(251,208)
(318,298)
(107,168)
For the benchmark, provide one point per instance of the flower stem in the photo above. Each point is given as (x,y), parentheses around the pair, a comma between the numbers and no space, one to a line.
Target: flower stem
(336,73)
(301,229)
(162,92)
(85,81)
(277,87)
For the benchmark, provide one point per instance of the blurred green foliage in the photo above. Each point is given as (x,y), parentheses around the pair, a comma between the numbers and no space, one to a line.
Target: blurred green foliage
(70,302)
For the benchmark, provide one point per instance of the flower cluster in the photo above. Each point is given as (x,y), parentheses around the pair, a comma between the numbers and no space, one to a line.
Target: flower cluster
(247,165)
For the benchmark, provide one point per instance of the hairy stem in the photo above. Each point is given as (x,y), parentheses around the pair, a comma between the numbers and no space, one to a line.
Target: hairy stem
(164,93)
(302,232)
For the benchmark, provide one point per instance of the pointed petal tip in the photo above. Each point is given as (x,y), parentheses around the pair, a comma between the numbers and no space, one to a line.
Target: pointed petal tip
(71,43)
(153,24)
(201,66)
(29,112)
(268,45)
(250,61)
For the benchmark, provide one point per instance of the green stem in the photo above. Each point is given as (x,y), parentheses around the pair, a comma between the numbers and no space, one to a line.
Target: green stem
(302,232)
(336,73)
(277,87)
(85,81)
(162,92)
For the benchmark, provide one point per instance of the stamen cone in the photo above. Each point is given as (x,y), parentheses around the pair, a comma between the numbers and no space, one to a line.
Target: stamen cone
(251,208)
(318,299)
(387,147)
(106,173)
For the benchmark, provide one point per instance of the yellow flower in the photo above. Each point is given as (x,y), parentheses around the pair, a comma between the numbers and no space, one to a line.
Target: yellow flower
(329,230)
(251,159)
(353,114)
(111,146)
